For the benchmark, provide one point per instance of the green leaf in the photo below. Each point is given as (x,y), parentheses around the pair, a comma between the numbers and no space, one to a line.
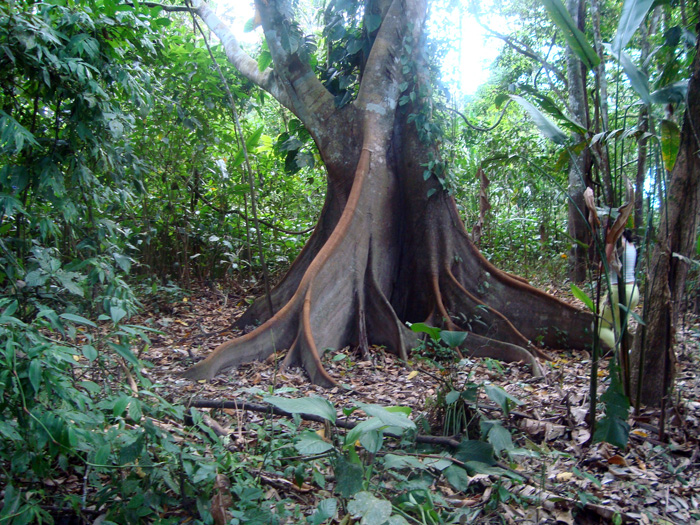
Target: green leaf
(574,37)
(432,331)
(316,406)
(546,126)
(612,430)
(35,374)
(500,438)
(124,350)
(633,12)
(372,441)
(671,94)
(501,397)
(670,143)
(476,451)
(452,339)
(638,79)
(548,105)
(372,22)
(372,510)
(388,417)
(370,425)
(102,454)
(131,451)
(117,314)
(264,60)
(457,477)
(348,477)
(78,319)
(452,396)
(122,261)
(311,443)
(326,510)
(120,405)
(583,297)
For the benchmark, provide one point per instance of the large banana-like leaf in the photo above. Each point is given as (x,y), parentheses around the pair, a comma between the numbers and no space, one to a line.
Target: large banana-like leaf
(633,12)
(546,126)
(573,35)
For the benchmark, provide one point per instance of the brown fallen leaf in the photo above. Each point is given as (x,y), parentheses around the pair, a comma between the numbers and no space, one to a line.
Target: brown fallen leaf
(221,500)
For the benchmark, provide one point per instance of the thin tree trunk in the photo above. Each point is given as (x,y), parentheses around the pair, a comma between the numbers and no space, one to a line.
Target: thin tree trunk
(654,354)
(600,149)
(579,165)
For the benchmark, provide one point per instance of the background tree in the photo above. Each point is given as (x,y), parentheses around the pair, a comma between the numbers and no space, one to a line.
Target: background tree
(676,244)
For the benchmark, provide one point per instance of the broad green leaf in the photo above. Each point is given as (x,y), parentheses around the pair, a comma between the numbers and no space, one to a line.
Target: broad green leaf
(546,126)
(120,405)
(583,297)
(457,477)
(452,396)
(315,406)
(476,451)
(452,339)
(252,141)
(311,443)
(371,509)
(102,454)
(670,143)
(124,350)
(326,510)
(633,12)
(117,314)
(432,331)
(122,261)
(501,397)
(77,319)
(372,441)
(638,79)
(500,438)
(370,425)
(551,107)
(612,430)
(438,463)
(671,94)
(90,352)
(372,22)
(348,476)
(388,417)
(573,35)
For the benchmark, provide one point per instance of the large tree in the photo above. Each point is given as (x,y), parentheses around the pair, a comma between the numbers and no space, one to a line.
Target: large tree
(389,247)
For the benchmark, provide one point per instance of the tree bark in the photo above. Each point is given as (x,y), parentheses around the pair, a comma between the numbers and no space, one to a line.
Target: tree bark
(653,349)
(579,165)
(390,247)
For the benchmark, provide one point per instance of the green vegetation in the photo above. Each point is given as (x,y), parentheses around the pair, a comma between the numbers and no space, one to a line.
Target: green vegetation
(123,182)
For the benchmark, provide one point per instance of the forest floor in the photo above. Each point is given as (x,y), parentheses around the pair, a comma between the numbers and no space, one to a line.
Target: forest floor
(561,477)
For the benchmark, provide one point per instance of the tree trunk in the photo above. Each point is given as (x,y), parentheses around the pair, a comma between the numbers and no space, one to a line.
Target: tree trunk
(600,149)
(390,247)
(579,165)
(653,349)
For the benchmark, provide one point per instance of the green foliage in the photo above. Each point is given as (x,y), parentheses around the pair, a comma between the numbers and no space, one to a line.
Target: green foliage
(613,427)
(574,37)
(633,12)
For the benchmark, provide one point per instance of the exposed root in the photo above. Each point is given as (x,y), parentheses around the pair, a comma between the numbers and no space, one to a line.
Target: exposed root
(480,346)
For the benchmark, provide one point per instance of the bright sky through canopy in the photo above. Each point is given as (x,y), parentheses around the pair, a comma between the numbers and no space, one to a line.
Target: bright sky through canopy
(464,69)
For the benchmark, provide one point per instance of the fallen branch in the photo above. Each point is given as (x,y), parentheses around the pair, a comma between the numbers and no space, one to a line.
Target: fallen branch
(451,441)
